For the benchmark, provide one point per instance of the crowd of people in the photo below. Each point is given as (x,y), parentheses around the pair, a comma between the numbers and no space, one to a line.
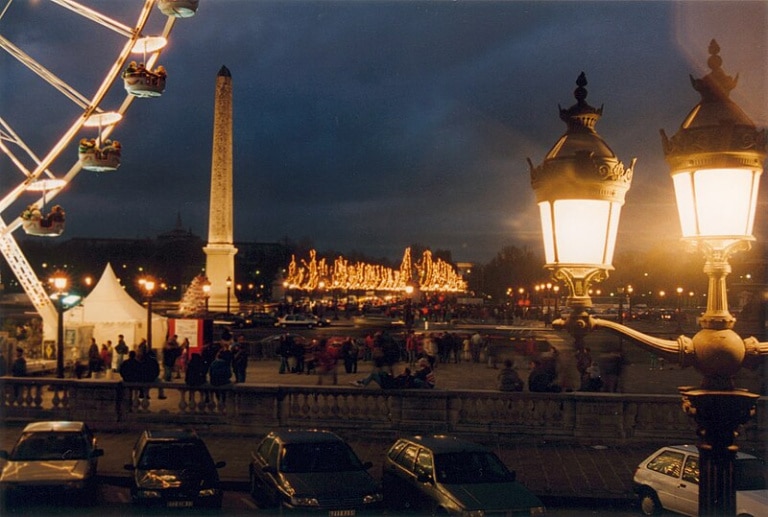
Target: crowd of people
(404,361)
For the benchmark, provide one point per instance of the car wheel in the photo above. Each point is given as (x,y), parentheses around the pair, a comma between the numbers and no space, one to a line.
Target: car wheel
(649,503)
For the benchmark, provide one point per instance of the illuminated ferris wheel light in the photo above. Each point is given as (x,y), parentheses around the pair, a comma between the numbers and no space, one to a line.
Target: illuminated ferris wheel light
(106,118)
(149,44)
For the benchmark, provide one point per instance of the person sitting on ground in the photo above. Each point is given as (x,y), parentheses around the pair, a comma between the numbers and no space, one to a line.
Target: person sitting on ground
(542,377)
(509,379)
(424,377)
(385,380)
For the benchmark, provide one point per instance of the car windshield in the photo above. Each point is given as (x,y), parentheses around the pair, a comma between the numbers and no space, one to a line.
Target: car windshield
(470,467)
(318,457)
(174,456)
(751,474)
(50,446)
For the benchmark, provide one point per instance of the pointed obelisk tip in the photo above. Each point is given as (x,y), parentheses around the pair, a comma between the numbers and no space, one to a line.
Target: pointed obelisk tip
(224,72)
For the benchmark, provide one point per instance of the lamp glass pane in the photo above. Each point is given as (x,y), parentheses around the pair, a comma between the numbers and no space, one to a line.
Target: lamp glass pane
(581,230)
(685,203)
(545,211)
(724,201)
(613,228)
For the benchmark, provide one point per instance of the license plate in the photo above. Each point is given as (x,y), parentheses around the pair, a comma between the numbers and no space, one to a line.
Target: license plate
(341,513)
(179,504)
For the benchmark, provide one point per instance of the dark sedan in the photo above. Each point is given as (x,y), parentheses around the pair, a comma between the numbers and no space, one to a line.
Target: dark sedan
(311,470)
(447,475)
(173,468)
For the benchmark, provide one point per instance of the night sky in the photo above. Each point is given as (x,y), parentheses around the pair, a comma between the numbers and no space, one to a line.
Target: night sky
(371,126)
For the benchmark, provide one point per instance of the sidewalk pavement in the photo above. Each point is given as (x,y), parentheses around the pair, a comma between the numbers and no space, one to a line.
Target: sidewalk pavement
(548,468)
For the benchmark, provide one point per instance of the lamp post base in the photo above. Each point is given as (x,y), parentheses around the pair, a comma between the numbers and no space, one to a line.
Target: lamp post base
(718,416)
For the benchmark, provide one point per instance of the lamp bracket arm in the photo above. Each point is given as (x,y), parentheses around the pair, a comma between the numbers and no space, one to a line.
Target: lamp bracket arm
(754,352)
(679,351)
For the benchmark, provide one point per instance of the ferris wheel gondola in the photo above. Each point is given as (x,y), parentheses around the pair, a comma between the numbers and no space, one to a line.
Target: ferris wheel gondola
(141,81)
(34,220)
(97,155)
(178,8)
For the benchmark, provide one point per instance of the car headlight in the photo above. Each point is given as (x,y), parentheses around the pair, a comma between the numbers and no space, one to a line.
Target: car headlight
(373,498)
(207,492)
(304,501)
(148,494)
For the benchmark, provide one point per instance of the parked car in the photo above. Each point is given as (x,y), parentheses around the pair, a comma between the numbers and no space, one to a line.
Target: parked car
(224,319)
(668,479)
(310,470)
(173,468)
(301,320)
(377,321)
(442,474)
(260,319)
(59,455)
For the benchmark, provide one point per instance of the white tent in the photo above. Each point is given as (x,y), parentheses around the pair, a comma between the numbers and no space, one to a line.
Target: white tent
(111,311)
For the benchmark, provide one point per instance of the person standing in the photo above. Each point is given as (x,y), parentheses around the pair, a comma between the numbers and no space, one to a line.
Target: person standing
(106,355)
(348,354)
(19,367)
(121,350)
(196,373)
(94,359)
(240,359)
(171,352)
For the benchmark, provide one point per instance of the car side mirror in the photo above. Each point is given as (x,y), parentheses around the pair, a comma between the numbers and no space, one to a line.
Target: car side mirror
(96,453)
(129,466)
(220,464)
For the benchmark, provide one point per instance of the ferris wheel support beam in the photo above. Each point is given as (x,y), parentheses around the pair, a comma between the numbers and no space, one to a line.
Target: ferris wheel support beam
(44,73)
(8,245)
(96,17)
(29,281)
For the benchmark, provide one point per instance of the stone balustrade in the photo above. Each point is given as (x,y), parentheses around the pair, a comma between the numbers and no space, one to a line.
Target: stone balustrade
(576,416)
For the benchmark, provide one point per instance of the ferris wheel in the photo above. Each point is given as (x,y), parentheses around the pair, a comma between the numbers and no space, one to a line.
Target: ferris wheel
(39,158)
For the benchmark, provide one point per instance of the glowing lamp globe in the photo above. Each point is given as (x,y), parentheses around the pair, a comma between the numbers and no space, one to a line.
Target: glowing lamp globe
(580,189)
(716,159)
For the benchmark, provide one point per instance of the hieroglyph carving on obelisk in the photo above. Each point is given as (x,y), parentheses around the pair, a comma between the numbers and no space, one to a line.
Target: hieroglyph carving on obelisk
(220,251)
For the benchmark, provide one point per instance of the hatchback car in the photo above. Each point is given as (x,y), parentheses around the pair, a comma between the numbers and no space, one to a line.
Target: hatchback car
(442,474)
(668,479)
(58,455)
(309,470)
(173,468)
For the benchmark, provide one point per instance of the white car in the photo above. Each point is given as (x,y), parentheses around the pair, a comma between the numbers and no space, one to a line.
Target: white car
(58,454)
(301,320)
(668,479)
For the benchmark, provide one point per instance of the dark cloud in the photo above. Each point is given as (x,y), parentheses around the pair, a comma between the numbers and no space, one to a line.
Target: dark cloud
(374,125)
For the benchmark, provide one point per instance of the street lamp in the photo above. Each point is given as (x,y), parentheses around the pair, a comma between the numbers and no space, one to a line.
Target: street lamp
(716,159)
(207,295)
(60,283)
(149,287)
(229,291)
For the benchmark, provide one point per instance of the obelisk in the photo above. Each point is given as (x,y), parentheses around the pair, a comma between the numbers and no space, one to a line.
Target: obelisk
(220,251)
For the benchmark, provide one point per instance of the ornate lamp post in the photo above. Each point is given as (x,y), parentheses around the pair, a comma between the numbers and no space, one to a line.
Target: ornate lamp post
(716,160)
(229,290)
(149,287)
(60,283)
